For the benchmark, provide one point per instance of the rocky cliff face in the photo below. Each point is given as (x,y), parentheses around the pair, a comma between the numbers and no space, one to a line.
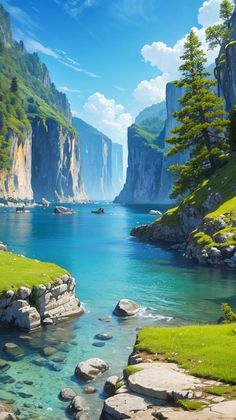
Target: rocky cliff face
(101,162)
(144,168)
(117,168)
(15,184)
(55,163)
(226,70)
(173,94)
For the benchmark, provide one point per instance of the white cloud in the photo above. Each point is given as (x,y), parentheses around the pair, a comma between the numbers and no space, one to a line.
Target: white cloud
(66,89)
(167,58)
(108,116)
(35,46)
(209,13)
(75,8)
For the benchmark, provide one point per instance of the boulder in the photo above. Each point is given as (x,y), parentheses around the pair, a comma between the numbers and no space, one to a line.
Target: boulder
(67,394)
(28,318)
(78,404)
(48,351)
(3,247)
(90,369)
(89,390)
(6,413)
(62,210)
(126,307)
(110,385)
(122,405)
(103,337)
(24,292)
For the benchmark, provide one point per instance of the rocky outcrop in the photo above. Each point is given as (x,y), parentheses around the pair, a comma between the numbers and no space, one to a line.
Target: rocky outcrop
(126,307)
(55,163)
(101,162)
(145,160)
(15,184)
(28,308)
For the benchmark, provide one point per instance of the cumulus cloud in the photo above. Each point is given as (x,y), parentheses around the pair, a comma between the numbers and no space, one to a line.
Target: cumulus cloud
(167,58)
(108,116)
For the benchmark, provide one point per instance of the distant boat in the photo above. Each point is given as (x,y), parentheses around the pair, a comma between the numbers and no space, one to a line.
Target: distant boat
(155,212)
(98,211)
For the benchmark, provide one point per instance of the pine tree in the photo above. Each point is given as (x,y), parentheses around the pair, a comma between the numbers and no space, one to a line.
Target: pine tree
(219,34)
(14,85)
(201,125)
(232,130)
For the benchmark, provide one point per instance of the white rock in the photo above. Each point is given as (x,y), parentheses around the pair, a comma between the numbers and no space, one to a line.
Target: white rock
(126,307)
(91,369)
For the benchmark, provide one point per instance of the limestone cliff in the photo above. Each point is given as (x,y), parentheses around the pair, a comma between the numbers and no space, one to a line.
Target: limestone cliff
(101,162)
(15,184)
(145,160)
(55,162)
(226,69)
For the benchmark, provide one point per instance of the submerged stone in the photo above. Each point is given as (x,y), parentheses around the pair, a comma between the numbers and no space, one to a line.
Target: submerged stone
(97,344)
(103,337)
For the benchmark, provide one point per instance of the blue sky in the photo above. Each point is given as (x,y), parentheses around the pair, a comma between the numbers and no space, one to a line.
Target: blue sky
(111,57)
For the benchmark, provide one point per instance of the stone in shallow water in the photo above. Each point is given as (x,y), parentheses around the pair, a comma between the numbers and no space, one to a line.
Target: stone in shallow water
(65,348)
(13,351)
(4,366)
(40,362)
(6,379)
(110,385)
(97,344)
(89,390)
(58,358)
(74,342)
(28,382)
(90,369)
(57,367)
(48,351)
(25,395)
(25,337)
(67,394)
(120,406)
(126,307)
(103,337)
(104,319)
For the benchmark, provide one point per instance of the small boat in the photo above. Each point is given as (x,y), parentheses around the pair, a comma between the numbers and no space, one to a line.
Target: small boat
(155,212)
(98,211)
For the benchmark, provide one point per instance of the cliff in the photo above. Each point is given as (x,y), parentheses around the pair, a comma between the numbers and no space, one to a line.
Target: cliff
(173,94)
(36,134)
(55,162)
(226,69)
(101,162)
(145,159)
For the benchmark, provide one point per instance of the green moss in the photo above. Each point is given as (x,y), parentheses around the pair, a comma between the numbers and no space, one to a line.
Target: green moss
(170,218)
(119,384)
(17,271)
(130,370)
(226,391)
(191,405)
(206,351)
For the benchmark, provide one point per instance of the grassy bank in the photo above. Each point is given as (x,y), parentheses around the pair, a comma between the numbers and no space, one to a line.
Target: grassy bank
(17,271)
(207,351)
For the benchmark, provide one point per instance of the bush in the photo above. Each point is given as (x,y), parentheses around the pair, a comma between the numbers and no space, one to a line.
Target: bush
(230,315)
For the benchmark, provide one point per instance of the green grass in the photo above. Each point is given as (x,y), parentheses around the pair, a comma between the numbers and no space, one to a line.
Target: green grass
(130,370)
(226,391)
(17,271)
(191,405)
(170,218)
(206,351)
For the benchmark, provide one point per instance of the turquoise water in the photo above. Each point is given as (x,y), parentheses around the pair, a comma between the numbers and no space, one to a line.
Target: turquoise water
(108,265)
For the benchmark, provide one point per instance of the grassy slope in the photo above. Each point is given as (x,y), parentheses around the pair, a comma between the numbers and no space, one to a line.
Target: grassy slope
(206,351)
(223,182)
(17,271)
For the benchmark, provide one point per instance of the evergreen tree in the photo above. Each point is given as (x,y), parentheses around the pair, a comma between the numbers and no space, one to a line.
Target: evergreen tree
(219,34)
(14,85)
(201,125)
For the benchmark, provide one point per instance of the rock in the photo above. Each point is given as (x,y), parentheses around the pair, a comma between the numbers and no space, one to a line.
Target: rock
(3,247)
(47,321)
(122,405)
(78,404)
(6,413)
(25,337)
(28,318)
(6,379)
(9,294)
(40,362)
(67,394)
(89,390)
(90,369)
(155,213)
(110,385)
(4,366)
(13,350)
(65,278)
(161,381)
(103,337)
(48,351)
(98,344)
(126,307)
(104,319)
(58,358)
(62,210)
(24,292)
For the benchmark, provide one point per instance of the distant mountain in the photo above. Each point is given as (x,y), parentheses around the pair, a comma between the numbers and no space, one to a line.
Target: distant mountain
(101,162)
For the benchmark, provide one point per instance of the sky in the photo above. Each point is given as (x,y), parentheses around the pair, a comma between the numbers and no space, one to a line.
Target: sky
(111,57)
